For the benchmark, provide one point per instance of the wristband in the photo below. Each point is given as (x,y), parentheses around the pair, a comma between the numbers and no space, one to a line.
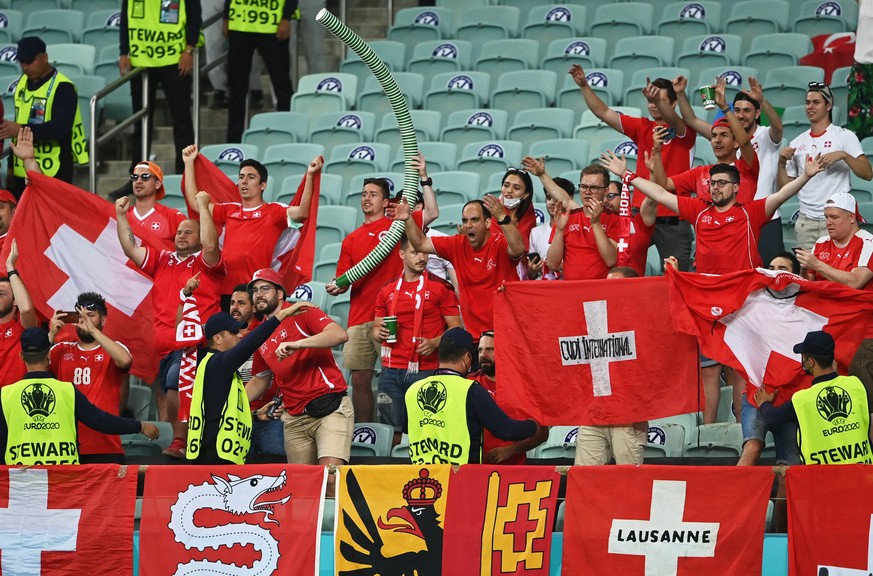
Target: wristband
(725,110)
(628,176)
(428,182)
(11,273)
(505,220)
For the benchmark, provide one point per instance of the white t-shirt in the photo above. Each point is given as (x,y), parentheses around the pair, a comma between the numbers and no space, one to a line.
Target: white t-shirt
(539,243)
(436,265)
(768,158)
(835,179)
(864,34)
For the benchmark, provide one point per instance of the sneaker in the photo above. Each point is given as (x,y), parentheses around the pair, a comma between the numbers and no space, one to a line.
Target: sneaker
(219,100)
(176,449)
(256,100)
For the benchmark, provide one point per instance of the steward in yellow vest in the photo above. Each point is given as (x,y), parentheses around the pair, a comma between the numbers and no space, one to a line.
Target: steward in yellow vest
(833,415)
(220,423)
(40,413)
(447,412)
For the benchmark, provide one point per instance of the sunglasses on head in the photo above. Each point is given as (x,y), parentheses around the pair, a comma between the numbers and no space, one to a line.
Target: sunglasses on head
(144,177)
(519,170)
(92,306)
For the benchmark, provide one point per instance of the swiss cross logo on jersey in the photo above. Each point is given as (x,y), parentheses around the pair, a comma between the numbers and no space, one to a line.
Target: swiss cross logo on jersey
(729,219)
(69,357)
(706,219)
(99,357)
(575,227)
(283,334)
(382,235)
(828,144)
(156,225)
(490,265)
(8,333)
(256,214)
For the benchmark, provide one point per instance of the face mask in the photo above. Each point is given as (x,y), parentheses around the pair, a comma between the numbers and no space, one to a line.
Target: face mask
(511,202)
(805,369)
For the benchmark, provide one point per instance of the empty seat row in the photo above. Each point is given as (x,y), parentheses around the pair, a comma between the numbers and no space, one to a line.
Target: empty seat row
(56,26)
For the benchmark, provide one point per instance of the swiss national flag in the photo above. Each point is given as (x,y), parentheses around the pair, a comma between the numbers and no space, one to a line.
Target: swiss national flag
(255,519)
(68,244)
(831,51)
(830,536)
(751,320)
(295,265)
(606,344)
(67,520)
(665,520)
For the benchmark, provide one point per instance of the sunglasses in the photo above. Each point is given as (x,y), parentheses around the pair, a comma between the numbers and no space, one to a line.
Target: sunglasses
(823,88)
(144,177)
(518,170)
(92,306)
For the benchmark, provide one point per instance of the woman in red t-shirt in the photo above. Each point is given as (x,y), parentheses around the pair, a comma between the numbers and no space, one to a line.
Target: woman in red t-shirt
(516,194)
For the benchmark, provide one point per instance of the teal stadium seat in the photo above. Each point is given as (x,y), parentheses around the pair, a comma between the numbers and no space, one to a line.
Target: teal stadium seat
(709,51)
(490,156)
(665,441)
(549,23)
(518,91)
(174,197)
(479,25)
(722,439)
(426,123)
(312,291)
(688,422)
(338,306)
(9,59)
(117,105)
(139,402)
(737,77)
(102,28)
(826,17)
(495,184)
(356,185)
(703,154)
(457,91)
(329,92)
(29,6)
(596,132)
(788,86)
(440,56)
(641,53)
(324,269)
(334,128)
(11,23)
(561,443)
(392,53)
(455,186)
(331,188)
(372,439)
(413,26)
(498,57)
(90,6)
(726,408)
(840,88)
(72,58)
(772,51)
(561,155)
(228,156)
(537,124)
(283,160)
(450,218)
(682,20)
(402,448)
(350,160)
(753,18)
(55,26)
(633,95)
(607,83)
(613,22)
(87,86)
(272,128)
(459,6)
(440,156)
(794,122)
(619,146)
(373,99)
(466,126)
(586,51)
(334,224)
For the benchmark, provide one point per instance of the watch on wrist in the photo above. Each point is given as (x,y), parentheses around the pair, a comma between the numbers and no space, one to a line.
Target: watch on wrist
(189,50)
(428,182)
(505,220)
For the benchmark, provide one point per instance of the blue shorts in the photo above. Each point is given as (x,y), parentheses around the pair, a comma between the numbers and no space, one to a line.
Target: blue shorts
(784,435)
(168,370)
(391,400)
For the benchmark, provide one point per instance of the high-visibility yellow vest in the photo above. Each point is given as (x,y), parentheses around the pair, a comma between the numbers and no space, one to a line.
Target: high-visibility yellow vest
(156,32)
(256,16)
(235,428)
(437,412)
(40,415)
(833,422)
(36,107)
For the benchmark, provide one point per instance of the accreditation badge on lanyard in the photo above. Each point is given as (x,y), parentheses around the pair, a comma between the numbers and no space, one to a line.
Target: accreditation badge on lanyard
(169,11)
(37,111)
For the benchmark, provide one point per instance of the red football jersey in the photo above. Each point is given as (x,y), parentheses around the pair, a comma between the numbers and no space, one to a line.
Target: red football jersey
(696,181)
(854,254)
(582,260)
(160,222)
(11,365)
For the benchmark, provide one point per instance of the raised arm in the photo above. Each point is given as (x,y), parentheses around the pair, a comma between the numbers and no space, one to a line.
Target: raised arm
(702,127)
(131,249)
(120,355)
(516,245)
(618,166)
(537,167)
(776,199)
(23,148)
(417,238)
(605,245)
(189,154)
(594,103)
(785,156)
(431,210)
(555,253)
(756,92)
(208,232)
(332,335)
(26,312)
(740,135)
(667,112)
(300,212)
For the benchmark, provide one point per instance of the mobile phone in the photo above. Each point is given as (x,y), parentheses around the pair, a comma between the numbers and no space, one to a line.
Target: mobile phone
(534,257)
(671,133)
(68,317)
(277,401)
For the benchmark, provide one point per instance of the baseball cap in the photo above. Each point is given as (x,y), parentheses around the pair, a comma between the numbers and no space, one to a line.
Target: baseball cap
(29,48)
(35,340)
(157,173)
(459,338)
(221,321)
(267,275)
(721,122)
(845,201)
(7,196)
(817,343)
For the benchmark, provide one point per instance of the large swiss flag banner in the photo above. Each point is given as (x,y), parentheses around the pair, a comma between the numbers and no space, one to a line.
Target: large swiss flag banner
(829,535)
(68,244)
(665,520)
(606,344)
(254,519)
(751,321)
(67,520)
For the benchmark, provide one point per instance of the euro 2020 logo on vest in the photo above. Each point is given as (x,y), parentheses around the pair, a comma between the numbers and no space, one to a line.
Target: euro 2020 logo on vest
(38,401)
(432,396)
(833,404)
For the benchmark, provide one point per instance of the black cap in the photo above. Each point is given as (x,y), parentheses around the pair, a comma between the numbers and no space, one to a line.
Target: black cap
(818,343)
(221,321)
(34,340)
(29,48)
(459,338)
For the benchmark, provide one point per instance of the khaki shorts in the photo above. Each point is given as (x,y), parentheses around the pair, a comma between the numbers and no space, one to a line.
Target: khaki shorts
(308,439)
(595,444)
(807,231)
(360,352)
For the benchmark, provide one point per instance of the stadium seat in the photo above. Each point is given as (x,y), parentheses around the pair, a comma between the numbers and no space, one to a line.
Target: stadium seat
(87,86)
(440,156)
(334,224)
(687,421)
(549,23)
(392,53)
(665,441)
(426,123)
(140,445)
(708,51)
(840,88)
(372,439)
(319,93)
(284,160)
(607,83)
(312,291)
(682,20)
(633,95)
(617,146)
(7,93)
(373,99)
(595,131)
(722,439)
(55,26)
(460,6)
(737,77)
(440,56)
(228,156)
(537,124)
(613,22)
(11,23)
(561,155)
(772,51)
(457,91)
(331,189)
(794,122)
(450,218)
(561,443)
(338,306)
(495,186)
(29,6)
(466,126)
(498,57)
(402,448)
(101,28)
(788,86)
(356,185)
(271,128)
(455,186)
(753,18)
(517,91)
(703,154)
(173,189)
(72,59)
(481,25)
(91,6)
(490,156)
(788,210)
(826,17)
(324,269)
(334,128)
(640,53)
(413,26)
(350,160)
(139,402)
(586,51)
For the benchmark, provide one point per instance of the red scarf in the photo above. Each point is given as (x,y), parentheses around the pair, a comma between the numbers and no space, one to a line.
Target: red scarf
(420,293)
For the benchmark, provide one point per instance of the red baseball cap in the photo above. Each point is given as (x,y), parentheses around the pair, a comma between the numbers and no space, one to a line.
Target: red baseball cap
(267,275)
(6,196)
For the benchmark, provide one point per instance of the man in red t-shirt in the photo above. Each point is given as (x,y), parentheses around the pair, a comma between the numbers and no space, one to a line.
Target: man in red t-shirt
(672,236)
(149,218)
(7,211)
(360,353)
(197,258)
(16,314)
(96,365)
(425,306)
(318,418)
(483,261)
(252,228)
